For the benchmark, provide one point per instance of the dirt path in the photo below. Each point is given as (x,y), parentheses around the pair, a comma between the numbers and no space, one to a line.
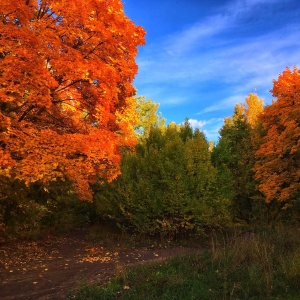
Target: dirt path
(49,269)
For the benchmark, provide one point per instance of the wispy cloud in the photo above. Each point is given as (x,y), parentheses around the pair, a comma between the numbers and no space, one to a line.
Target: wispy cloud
(223,104)
(254,57)
(224,53)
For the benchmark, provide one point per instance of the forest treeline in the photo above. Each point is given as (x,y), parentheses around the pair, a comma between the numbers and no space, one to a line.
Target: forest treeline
(77,146)
(175,183)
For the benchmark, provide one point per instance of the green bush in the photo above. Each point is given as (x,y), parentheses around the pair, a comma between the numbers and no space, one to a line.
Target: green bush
(167,187)
(31,212)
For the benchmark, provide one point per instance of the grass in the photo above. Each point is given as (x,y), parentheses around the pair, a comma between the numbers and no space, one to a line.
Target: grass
(264,265)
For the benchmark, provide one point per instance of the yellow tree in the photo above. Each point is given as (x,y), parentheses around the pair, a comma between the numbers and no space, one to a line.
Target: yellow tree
(66,95)
(278,158)
(255,107)
(148,117)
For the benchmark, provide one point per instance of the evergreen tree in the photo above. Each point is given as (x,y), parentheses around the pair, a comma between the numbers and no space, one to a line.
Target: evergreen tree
(234,158)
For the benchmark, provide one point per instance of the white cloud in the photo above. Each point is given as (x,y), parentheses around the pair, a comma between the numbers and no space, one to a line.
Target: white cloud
(196,123)
(209,127)
(212,129)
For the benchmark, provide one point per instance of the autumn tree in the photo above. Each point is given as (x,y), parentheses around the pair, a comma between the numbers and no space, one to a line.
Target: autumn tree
(278,158)
(66,105)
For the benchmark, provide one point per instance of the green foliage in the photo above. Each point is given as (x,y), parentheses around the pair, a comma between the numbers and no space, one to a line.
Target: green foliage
(167,187)
(30,212)
(20,214)
(234,159)
(237,159)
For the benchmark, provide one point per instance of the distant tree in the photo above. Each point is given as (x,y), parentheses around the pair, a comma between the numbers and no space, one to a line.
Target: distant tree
(254,107)
(211,146)
(186,131)
(148,117)
(234,157)
(200,172)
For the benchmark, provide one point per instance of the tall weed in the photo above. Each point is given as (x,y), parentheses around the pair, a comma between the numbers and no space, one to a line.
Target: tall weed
(256,264)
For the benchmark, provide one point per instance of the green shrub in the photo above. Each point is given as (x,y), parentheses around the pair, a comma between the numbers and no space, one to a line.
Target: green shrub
(167,187)
(31,212)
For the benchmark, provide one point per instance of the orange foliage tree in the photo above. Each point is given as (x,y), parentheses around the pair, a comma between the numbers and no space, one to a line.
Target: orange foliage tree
(278,158)
(66,94)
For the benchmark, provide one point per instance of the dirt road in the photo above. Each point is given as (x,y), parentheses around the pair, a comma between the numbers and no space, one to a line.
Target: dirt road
(50,269)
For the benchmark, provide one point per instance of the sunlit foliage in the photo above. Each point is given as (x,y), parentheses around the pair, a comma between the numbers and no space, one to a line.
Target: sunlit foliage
(66,105)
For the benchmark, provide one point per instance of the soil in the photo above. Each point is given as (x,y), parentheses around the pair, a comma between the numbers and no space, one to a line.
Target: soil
(50,269)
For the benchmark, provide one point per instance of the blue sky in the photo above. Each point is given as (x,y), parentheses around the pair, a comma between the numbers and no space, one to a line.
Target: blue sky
(203,56)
